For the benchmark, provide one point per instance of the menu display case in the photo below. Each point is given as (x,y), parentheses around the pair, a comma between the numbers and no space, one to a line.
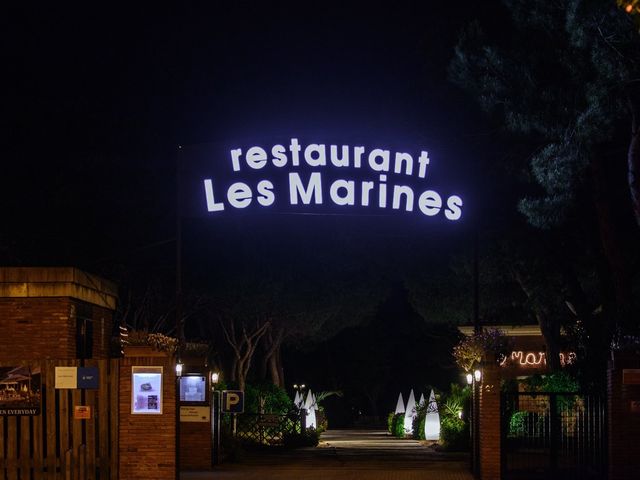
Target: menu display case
(146,390)
(193,389)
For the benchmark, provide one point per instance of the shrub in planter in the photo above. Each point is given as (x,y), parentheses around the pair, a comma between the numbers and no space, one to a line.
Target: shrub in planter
(390,422)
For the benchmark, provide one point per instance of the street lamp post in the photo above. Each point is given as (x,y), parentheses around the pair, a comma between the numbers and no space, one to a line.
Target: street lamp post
(179,367)
(473,380)
(302,412)
(215,419)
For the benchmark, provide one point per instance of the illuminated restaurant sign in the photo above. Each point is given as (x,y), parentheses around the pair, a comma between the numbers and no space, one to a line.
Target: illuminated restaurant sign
(318,177)
(534,359)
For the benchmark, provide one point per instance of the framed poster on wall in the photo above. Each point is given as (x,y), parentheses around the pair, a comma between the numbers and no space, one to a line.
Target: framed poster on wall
(20,390)
(193,389)
(146,390)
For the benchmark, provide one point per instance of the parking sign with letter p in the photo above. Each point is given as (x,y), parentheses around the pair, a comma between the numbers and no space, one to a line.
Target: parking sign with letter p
(232,401)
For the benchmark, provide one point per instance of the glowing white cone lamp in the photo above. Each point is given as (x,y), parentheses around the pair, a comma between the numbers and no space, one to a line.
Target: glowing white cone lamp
(311,411)
(297,400)
(399,405)
(432,420)
(410,413)
(421,402)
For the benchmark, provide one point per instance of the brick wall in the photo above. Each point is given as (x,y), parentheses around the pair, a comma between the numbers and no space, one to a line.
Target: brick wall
(624,425)
(45,328)
(490,465)
(36,328)
(102,329)
(195,446)
(147,443)
(40,308)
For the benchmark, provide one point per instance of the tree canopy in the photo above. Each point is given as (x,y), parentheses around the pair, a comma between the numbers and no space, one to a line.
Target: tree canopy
(563,80)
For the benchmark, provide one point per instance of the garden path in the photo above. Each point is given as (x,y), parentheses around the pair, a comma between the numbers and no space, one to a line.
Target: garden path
(347,455)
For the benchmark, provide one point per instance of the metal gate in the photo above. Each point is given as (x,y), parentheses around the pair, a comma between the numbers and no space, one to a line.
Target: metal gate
(548,435)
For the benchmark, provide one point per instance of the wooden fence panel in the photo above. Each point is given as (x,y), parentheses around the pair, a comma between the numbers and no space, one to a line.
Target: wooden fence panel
(49,410)
(25,447)
(103,422)
(12,448)
(77,427)
(56,446)
(2,447)
(112,429)
(63,419)
(38,459)
(90,424)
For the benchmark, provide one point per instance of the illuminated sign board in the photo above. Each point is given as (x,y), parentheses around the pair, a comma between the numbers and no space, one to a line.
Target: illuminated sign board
(308,177)
(523,358)
(193,388)
(146,390)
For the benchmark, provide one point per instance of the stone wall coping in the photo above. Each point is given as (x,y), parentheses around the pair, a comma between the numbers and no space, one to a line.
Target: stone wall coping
(33,282)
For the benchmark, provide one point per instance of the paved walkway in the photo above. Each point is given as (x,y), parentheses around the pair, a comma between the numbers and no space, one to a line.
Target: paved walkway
(347,455)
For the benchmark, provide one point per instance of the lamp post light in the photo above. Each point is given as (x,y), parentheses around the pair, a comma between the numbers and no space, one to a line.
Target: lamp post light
(179,367)
(216,418)
(300,390)
(301,410)
(475,380)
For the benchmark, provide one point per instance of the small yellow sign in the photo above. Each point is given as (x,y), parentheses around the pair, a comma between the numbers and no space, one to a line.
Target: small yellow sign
(66,377)
(195,414)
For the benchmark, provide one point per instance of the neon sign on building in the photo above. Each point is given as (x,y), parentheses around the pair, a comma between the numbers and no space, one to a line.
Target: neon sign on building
(319,174)
(534,359)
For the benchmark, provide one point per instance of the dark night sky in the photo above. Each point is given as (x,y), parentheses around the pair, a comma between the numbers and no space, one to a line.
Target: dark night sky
(96,101)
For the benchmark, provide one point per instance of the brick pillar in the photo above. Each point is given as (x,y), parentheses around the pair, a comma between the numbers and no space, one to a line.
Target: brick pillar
(42,310)
(147,443)
(624,422)
(490,467)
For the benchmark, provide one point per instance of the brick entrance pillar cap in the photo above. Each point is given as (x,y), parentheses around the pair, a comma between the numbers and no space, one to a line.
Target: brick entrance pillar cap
(38,282)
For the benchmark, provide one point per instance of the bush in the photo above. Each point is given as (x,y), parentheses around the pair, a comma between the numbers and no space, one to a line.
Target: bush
(398,425)
(518,424)
(390,422)
(266,397)
(308,438)
(418,426)
(418,421)
(470,351)
(321,420)
(454,433)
